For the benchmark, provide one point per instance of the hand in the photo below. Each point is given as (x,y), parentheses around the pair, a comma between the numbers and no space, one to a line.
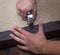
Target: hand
(33,42)
(26,5)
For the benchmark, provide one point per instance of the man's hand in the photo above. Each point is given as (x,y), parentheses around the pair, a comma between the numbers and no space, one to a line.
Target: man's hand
(26,5)
(32,42)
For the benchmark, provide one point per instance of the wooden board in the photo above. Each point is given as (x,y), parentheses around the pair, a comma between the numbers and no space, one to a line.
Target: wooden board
(51,29)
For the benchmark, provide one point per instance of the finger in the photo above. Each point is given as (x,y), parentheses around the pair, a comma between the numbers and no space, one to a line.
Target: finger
(34,10)
(17,39)
(23,15)
(18,34)
(21,11)
(26,33)
(35,15)
(22,47)
(41,31)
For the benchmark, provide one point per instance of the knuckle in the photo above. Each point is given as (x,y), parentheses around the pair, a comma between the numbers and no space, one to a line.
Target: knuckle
(17,33)
(22,9)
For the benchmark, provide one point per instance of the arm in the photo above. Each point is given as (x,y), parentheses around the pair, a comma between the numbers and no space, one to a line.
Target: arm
(52,47)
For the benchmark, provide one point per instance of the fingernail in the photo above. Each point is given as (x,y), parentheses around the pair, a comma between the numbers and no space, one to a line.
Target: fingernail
(11,35)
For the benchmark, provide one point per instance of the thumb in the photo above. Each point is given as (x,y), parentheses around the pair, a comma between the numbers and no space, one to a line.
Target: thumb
(40,29)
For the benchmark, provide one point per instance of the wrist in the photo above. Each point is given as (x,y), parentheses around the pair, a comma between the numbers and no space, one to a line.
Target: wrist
(44,48)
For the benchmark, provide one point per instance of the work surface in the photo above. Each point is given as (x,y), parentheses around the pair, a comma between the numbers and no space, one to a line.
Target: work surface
(48,10)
